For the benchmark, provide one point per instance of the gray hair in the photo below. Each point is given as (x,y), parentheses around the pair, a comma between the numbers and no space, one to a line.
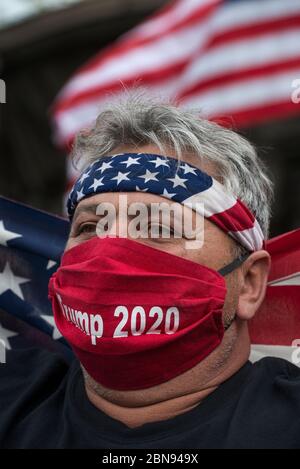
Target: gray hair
(137,120)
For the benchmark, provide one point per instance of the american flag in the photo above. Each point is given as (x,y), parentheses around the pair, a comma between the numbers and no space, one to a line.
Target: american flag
(275,330)
(31,245)
(229,58)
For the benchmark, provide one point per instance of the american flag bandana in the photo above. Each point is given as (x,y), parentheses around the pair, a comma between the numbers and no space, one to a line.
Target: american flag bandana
(174,180)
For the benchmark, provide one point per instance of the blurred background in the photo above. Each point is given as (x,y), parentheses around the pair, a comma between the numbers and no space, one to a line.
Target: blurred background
(44,43)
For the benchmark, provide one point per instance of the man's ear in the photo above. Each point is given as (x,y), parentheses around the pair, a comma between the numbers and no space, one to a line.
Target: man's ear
(254,277)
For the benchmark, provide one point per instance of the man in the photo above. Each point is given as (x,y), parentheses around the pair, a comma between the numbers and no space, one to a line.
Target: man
(156,313)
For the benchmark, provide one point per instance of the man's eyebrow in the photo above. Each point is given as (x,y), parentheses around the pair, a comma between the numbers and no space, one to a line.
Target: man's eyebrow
(91,208)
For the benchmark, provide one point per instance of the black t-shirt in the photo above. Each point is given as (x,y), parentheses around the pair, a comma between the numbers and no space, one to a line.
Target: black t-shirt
(43,404)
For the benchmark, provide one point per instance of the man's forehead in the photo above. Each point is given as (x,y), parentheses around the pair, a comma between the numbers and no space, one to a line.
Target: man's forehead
(187,157)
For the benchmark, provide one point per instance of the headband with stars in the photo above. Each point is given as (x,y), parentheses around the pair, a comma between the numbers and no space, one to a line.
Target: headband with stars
(175,180)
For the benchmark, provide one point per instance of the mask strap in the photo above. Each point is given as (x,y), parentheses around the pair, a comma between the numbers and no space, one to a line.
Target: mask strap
(229,268)
(234,264)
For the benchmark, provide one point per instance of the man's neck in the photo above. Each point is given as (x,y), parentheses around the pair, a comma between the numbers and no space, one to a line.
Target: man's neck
(177,396)
(137,416)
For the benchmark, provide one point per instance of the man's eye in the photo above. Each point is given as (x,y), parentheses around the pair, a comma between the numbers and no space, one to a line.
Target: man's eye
(88,228)
(161,230)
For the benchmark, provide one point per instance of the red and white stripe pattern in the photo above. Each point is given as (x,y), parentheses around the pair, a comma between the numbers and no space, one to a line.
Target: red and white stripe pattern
(229,214)
(227,58)
(275,330)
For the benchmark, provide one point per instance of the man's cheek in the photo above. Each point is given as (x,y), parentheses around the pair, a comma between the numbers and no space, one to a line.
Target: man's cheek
(72,242)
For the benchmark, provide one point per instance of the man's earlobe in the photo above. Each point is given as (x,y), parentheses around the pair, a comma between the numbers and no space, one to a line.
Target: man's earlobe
(254,273)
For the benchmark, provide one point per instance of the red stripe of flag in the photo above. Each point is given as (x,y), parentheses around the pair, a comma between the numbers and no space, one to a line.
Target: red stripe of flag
(234,219)
(243,75)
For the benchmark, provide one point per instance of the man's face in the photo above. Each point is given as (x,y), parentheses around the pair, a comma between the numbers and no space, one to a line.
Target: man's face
(216,251)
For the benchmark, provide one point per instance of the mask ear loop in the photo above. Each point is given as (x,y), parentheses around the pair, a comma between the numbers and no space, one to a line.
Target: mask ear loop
(229,268)
(234,264)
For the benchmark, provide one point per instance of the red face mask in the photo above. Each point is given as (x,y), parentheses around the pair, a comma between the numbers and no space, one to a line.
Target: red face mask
(134,315)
